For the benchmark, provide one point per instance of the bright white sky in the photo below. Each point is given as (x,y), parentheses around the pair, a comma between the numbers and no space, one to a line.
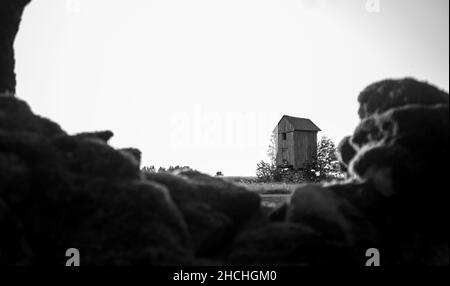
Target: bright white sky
(203,83)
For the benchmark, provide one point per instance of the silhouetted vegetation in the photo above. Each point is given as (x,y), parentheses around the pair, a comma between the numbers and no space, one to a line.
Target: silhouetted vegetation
(152,169)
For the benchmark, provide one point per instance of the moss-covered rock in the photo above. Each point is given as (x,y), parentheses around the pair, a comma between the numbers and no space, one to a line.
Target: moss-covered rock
(60,191)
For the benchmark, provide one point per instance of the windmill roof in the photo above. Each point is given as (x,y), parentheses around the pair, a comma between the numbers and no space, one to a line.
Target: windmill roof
(301,124)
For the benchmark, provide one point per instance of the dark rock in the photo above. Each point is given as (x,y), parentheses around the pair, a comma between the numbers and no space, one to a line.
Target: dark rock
(279,214)
(345,151)
(10,16)
(95,158)
(14,249)
(101,135)
(15,172)
(283,244)
(16,115)
(384,95)
(400,148)
(129,224)
(354,217)
(407,161)
(213,208)
(35,161)
(408,144)
(235,201)
(209,228)
(324,209)
(59,191)
(133,153)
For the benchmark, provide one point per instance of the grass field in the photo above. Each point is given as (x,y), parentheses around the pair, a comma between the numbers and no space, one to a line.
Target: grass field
(272,194)
(271,188)
(274,201)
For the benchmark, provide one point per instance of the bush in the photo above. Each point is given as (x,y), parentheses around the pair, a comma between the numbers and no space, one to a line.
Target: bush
(267,172)
(327,165)
(152,169)
(149,169)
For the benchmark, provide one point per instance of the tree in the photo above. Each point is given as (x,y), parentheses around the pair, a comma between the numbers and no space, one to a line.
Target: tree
(268,172)
(170,169)
(326,157)
(149,169)
(272,151)
(264,171)
(10,15)
(325,166)
(219,174)
(177,167)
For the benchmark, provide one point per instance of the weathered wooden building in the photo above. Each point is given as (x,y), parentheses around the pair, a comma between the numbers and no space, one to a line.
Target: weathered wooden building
(295,141)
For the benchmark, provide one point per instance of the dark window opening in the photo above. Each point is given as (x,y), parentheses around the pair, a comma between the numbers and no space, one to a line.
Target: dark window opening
(284,136)
(284,156)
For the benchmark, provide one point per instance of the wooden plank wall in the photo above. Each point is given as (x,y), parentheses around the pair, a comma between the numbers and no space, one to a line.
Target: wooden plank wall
(300,146)
(287,145)
(305,147)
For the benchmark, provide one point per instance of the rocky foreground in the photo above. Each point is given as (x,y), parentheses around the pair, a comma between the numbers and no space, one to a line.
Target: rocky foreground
(59,191)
